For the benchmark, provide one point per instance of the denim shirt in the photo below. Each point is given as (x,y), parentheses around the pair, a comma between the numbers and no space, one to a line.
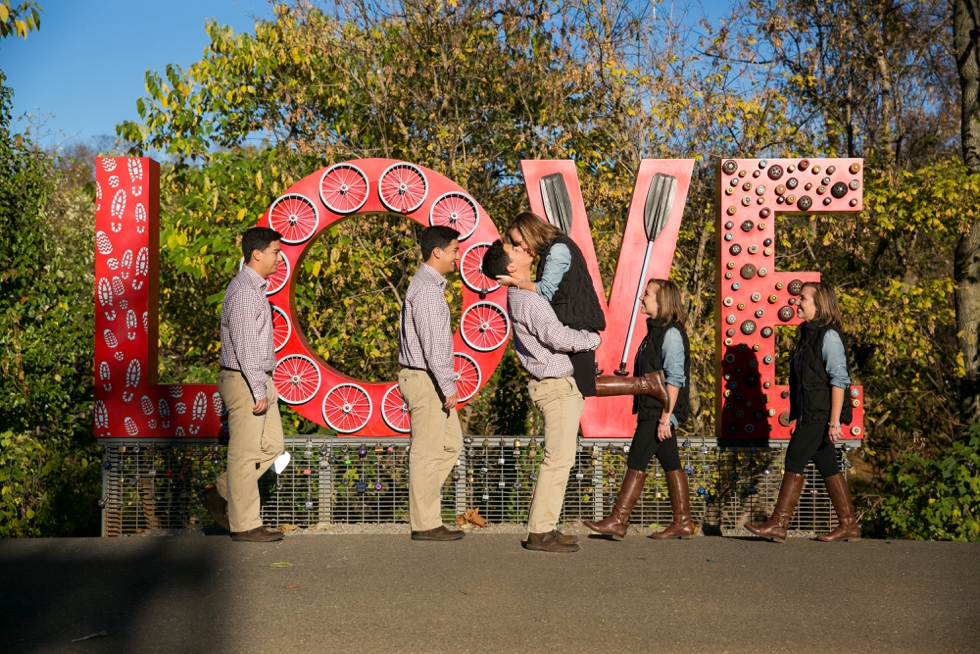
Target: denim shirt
(555,266)
(672,352)
(835,360)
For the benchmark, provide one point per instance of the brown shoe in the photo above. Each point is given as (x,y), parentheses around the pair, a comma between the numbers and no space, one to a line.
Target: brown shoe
(847,525)
(568,539)
(258,535)
(789,494)
(216,505)
(680,504)
(439,533)
(616,523)
(550,541)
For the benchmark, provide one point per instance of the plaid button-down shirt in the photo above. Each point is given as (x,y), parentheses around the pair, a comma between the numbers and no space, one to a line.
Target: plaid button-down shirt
(426,337)
(246,330)
(540,340)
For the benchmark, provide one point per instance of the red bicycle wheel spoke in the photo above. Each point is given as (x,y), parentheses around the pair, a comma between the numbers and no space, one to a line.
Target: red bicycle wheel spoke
(403,188)
(471,269)
(282,329)
(278,279)
(485,326)
(297,379)
(347,408)
(456,210)
(394,410)
(295,217)
(467,376)
(344,188)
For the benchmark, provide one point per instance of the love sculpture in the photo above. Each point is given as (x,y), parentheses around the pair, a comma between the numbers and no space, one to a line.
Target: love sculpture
(129,403)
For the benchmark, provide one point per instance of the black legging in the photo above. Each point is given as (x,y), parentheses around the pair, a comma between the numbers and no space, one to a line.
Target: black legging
(811,442)
(645,445)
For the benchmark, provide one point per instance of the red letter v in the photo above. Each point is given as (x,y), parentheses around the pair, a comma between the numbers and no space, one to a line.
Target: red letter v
(611,417)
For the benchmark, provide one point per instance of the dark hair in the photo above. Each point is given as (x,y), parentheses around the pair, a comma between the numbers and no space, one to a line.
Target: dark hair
(495,260)
(825,301)
(537,232)
(436,237)
(258,238)
(669,305)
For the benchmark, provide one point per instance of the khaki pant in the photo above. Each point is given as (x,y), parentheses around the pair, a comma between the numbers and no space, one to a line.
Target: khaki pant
(561,403)
(437,440)
(254,442)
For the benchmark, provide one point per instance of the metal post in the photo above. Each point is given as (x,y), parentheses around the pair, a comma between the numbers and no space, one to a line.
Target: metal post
(598,453)
(325,476)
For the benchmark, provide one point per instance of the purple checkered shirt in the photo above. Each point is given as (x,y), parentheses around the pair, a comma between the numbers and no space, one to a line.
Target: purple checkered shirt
(540,340)
(426,339)
(246,330)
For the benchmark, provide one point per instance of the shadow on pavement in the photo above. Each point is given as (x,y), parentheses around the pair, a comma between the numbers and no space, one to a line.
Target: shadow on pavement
(57,591)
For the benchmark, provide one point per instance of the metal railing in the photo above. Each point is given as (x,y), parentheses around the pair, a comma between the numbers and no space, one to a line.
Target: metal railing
(154,485)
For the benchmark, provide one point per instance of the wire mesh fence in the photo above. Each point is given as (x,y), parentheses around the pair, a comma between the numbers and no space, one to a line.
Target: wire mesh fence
(154,485)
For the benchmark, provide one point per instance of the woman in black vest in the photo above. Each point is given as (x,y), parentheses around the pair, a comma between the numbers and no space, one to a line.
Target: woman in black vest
(563,279)
(665,348)
(818,386)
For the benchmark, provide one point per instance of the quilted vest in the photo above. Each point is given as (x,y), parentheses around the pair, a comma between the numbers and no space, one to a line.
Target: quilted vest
(649,358)
(575,302)
(809,384)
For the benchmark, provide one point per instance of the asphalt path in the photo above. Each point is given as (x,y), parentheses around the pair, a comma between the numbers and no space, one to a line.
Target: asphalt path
(386,593)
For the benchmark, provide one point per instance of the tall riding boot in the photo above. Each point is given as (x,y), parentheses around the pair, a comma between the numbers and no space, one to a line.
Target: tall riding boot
(847,527)
(680,504)
(789,494)
(615,525)
(651,384)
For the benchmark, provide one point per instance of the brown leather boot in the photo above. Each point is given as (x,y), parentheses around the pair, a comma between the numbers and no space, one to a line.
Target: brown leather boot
(651,384)
(789,494)
(680,504)
(616,523)
(847,527)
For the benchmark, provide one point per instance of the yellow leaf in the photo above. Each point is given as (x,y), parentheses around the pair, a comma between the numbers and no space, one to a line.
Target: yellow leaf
(316,269)
(30,514)
(4,14)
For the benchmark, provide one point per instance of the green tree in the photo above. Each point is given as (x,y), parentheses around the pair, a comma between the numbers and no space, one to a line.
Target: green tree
(19,20)
(46,350)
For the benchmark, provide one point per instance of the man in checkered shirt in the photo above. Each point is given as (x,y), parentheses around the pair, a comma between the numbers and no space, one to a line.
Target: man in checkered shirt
(542,344)
(427,383)
(245,383)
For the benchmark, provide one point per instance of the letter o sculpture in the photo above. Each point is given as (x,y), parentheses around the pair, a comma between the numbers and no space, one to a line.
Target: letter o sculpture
(303,380)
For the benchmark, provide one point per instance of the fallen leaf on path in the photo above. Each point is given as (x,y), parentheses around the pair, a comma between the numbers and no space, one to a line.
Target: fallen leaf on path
(281,564)
(293,586)
(285,528)
(90,636)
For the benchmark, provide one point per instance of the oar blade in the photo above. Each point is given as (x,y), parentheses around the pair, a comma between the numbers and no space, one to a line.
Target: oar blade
(659,204)
(557,205)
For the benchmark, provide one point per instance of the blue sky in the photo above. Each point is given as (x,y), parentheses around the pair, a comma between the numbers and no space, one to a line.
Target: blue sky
(84,69)
(86,64)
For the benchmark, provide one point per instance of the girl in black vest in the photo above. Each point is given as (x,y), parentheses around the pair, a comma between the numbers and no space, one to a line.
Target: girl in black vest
(665,348)
(818,385)
(563,279)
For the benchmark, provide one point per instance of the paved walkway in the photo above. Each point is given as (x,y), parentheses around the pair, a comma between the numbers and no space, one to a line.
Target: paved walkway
(385,593)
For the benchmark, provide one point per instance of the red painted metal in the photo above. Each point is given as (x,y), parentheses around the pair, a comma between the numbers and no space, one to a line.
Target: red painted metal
(129,222)
(750,193)
(128,400)
(611,417)
(130,403)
